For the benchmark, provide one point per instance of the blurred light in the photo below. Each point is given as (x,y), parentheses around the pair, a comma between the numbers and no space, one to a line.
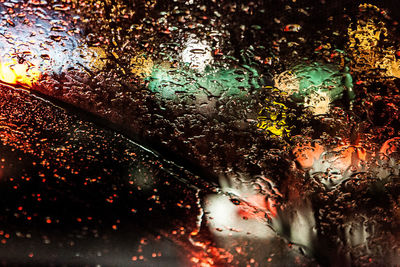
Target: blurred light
(358,231)
(316,85)
(347,156)
(95,58)
(306,154)
(13,72)
(365,48)
(173,82)
(287,82)
(44,43)
(272,118)
(318,102)
(243,209)
(292,28)
(390,146)
(197,54)
(302,228)
(141,65)
(332,165)
(389,156)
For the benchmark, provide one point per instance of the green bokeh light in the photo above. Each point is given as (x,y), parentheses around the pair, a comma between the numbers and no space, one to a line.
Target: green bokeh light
(171,83)
(326,78)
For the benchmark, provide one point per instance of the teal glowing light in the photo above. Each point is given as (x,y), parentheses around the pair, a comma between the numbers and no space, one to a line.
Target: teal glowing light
(325,78)
(171,83)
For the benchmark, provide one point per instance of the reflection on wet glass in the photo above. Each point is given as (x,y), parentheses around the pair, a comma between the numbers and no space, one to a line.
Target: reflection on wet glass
(199,133)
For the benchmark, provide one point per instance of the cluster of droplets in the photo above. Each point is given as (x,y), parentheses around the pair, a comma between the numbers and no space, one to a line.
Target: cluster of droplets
(192,80)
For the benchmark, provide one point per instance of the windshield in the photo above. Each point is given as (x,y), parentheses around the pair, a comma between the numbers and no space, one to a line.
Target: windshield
(199,133)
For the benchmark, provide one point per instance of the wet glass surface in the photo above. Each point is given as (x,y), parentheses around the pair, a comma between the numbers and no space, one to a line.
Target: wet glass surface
(199,133)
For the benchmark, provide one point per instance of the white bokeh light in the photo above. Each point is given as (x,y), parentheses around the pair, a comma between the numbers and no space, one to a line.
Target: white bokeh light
(197,54)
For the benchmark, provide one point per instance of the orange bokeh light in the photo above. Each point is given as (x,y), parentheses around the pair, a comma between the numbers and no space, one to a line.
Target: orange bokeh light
(344,155)
(13,72)
(350,155)
(390,146)
(307,153)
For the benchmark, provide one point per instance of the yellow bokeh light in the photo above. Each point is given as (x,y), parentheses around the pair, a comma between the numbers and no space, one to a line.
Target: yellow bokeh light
(273,119)
(365,49)
(13,72)
(97,57)
(141,65)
